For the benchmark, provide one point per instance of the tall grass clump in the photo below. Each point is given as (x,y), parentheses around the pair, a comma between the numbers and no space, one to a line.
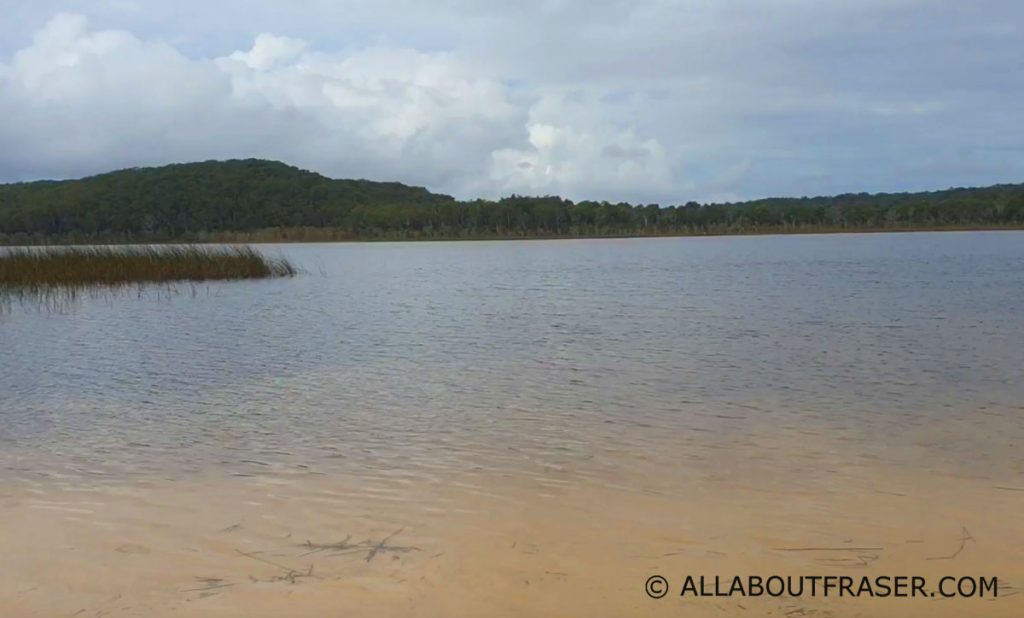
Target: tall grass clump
(35,269)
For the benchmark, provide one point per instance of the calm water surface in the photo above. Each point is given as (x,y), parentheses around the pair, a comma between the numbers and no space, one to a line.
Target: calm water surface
(410,359)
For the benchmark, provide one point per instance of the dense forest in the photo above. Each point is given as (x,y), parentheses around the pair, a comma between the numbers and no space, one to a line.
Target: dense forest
(254,200)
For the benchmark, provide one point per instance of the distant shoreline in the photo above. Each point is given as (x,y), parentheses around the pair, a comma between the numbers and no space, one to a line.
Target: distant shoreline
(259,201)
(328,235)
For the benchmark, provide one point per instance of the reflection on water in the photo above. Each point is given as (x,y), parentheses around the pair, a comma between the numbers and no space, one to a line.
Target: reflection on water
(475,395)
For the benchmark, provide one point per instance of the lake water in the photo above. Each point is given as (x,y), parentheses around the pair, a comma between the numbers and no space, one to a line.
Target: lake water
(476,395)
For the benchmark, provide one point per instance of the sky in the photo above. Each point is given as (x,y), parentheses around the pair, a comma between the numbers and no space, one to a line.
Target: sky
(638,100)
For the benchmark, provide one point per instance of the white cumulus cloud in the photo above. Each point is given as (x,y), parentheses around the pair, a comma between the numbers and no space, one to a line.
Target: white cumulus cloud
(572,152)
(79,100)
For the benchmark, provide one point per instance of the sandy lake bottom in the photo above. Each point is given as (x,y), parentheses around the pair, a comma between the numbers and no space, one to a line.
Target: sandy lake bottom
(554,539)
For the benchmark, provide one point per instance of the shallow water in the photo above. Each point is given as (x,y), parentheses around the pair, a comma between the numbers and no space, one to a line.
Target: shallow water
(543,424)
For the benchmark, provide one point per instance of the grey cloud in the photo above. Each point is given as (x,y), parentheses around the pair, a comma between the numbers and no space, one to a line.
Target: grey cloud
(664,100)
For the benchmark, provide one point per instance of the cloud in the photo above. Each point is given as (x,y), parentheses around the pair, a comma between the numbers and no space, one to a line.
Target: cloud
(269,50)
(570,151)
(78,100)
(649,100)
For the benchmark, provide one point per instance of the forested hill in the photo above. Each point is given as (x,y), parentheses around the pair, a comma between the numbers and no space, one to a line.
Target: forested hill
(188,200)
(267,200)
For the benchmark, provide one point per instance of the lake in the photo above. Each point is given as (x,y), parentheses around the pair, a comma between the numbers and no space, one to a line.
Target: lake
(522,428)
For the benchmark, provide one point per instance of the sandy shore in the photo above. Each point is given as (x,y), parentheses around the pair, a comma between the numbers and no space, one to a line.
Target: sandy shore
(501,545)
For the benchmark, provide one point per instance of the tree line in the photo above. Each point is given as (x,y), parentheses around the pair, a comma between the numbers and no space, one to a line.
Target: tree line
(267,200)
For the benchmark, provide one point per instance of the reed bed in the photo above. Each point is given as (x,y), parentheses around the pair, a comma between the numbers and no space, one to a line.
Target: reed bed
(39,269)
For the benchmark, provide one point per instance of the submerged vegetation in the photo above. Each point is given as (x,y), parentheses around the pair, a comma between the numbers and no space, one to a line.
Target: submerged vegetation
(256,200)
(36,271)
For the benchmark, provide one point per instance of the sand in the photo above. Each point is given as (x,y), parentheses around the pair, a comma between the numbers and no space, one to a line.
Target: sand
(477,543)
